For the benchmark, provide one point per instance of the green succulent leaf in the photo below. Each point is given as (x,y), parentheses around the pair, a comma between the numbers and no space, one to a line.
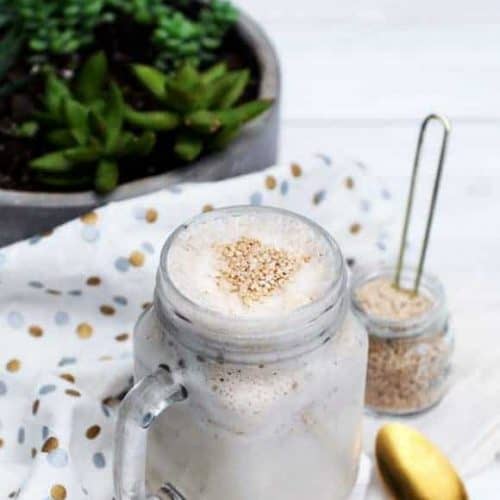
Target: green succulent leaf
(203,121)
(106,176)
(188,146)
(244,113)
(152,79)
(114,117)
(55,92)
(77,118)
(213,73)
(26,129)
(56,162)
(152,120)
(132,145)
(235,89)
(91,78)
(83,154)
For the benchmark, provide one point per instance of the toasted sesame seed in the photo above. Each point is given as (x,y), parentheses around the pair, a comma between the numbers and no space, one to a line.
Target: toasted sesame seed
(253,270)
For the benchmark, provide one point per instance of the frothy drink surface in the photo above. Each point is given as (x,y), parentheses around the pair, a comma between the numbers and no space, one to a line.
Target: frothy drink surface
(251,265)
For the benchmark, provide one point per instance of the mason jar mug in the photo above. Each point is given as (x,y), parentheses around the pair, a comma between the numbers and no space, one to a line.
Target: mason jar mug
(243,408)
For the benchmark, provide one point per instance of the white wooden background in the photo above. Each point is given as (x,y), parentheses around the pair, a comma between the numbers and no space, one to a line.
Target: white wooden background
(358,76)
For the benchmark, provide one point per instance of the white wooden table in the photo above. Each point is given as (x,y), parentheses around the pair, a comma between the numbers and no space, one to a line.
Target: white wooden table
(358,78)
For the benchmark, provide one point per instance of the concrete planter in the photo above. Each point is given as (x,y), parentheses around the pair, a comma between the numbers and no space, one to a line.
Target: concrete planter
(23,214)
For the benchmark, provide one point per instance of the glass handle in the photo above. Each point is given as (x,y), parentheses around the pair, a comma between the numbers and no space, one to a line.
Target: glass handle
(144,402)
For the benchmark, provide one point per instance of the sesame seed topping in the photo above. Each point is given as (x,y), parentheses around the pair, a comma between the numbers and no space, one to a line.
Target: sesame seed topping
(253,270)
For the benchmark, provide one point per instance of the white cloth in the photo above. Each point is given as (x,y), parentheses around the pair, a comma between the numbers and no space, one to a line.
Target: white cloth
(69,300)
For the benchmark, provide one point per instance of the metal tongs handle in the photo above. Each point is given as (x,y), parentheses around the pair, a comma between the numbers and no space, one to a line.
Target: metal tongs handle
(409,205)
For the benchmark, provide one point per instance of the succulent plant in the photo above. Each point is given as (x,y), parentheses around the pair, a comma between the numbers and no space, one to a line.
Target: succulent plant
(178,37)
(87,127)
(200,107)
(59,26)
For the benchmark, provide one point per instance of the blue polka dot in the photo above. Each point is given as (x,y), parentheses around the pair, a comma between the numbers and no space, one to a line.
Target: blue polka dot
(58,458)
(67,361)
(75,293)
(15,319)
(35,284)
(61,318)
(90,233)
(381,245)
(122,264)
(366,205)
(319,197)
(284,188)
(45,432)
(105,410)
(148,247)
(99,460)
(47,389)
(121,301)
(325,158)
(386,195)
(3,388)
(256,198)
(139,213)
(21,434)
(175,189)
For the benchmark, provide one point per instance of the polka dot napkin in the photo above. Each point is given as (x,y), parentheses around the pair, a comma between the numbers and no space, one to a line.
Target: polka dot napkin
(69,300)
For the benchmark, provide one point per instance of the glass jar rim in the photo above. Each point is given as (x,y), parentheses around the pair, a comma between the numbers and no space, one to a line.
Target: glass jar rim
(254,331)
(399,328)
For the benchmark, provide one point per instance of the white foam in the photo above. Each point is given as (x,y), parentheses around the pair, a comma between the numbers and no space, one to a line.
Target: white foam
(194,263)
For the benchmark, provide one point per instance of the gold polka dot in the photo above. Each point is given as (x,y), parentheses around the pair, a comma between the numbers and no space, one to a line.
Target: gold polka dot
(94,281)
(146,305)
(89,218)
(122,337)
(72,392)
(58,492)
(355,228)
(207,208)
(47,233)
(151,215)
(14,365)
(136,258)
(84,330)
(349,183)
(51,444)
(2,442)
(296,169)
(51,291)
(68,377)
(35,331)
(36,405)
(93,432)
(270,182)
(105,358)
(107,310)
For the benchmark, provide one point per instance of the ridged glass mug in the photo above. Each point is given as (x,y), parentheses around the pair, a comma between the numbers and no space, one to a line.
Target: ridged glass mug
(258,409)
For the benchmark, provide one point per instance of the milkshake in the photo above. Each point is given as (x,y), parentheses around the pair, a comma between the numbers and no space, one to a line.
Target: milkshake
(251,318)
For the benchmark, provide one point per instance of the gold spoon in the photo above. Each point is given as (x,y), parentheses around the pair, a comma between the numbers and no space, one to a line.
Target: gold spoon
(413,468)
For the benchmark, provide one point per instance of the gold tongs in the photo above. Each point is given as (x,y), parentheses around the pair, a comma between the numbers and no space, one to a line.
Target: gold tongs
(409,204)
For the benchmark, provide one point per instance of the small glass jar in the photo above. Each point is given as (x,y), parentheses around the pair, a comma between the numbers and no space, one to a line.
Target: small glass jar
(267,409)
(409,360)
